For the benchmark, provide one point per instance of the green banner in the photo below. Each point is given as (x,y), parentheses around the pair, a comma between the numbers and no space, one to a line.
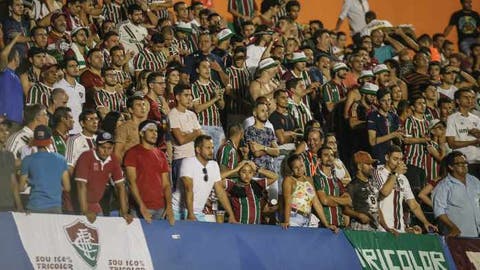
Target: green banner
(382,250)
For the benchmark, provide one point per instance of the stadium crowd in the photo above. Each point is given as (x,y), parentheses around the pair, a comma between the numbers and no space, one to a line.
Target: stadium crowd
(163,110)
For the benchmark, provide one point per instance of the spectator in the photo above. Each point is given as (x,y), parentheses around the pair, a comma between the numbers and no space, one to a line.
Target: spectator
(74,90)
(340,170)
(208,102)
(455,205)
(185,128)
(364,209)
(237,105)
(36,58)
(416,139)
(148,174)
(300,197)
(330,189)
(83,141)
(447,87)
(394,190)
(384,52)
(58,98)
(94,169)
(247,192)
(314,141)
(232,152)
(79,48)
(194,188)
(12,109)
(34,116)
(133,33)
(260,139)
(355,12)
(358,115)
(463,133)
(47,185)
(9,199)
(62,123)
(382,126)
(126,135)
(335,91)
(41,91)
(297,107)
(466,22)
(110,97)
(155,57)
(91,78)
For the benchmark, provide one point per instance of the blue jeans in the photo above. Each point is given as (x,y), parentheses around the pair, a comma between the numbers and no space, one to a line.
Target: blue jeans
(464,46)
(157,214)
(182,215)
(297,220)
(217,135)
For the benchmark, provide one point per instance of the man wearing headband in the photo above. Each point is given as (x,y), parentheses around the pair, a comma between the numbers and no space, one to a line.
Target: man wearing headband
(148,174)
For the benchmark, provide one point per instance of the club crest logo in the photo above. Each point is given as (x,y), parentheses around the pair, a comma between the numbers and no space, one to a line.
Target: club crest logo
(84,238)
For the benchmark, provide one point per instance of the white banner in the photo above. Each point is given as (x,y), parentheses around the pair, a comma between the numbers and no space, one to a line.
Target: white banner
(71,242)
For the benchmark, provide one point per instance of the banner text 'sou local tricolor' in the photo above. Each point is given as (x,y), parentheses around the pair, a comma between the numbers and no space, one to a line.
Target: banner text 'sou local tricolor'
(71,242)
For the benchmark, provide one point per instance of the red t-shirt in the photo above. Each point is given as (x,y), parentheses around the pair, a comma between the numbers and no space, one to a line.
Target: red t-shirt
(90,80)
(96,173)
(149,165)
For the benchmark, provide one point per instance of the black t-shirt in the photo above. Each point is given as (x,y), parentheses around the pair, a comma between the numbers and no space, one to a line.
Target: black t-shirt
(467,24)
(7,168)
(281,121)
(364,196)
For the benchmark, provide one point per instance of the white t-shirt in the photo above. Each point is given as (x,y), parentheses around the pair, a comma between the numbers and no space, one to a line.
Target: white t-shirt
(18,140)
(447,92)
(458,127)
(76,145)
(76,99)
(191,167)
(392,205)
(187,122)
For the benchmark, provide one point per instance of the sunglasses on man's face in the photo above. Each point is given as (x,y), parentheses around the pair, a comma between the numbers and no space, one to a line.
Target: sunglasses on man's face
(205,177)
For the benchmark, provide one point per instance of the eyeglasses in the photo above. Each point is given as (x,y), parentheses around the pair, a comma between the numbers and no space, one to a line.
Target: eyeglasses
(205,177)
(159,82)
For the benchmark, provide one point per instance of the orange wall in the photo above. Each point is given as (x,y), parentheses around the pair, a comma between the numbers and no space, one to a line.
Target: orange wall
(428,16)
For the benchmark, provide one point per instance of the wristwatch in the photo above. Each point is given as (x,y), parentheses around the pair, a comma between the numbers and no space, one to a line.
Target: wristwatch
(394,174)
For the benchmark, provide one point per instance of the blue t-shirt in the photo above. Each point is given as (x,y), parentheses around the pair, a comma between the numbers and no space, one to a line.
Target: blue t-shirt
(384,53)
(44,172)
(382,126)
(11,96)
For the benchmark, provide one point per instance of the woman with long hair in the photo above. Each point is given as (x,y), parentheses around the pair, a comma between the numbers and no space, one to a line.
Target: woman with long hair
(300,197)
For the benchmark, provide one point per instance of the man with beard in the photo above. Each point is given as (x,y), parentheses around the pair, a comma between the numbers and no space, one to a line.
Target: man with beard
(58,41)
(36,59)
(394,190)
(364,209)
(41,91)
(118,63)
(299,70)
(133,33)
(330,189)
(110,98)
(419,76)
(198,175)
(382,75)
(74,90)
(358,116)
(79,48)
(91,78)
(335,91)
(110,40)
(313,141)
(148,174)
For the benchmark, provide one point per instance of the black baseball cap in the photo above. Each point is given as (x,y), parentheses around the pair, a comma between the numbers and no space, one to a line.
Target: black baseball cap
(104,137)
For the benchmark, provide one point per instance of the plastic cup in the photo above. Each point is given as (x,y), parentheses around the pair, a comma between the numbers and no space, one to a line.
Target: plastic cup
(220,216)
